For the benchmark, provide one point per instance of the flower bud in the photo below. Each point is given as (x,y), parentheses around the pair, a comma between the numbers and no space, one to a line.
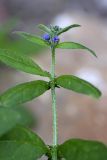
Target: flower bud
(55,39)
(56,28)
(46,37)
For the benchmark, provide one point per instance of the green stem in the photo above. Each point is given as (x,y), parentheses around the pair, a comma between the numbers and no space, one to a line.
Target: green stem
(54,111)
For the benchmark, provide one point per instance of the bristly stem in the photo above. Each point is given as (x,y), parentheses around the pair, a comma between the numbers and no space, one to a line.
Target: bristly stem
(54,111)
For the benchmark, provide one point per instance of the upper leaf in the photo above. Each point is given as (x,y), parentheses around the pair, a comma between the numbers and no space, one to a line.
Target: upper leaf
(67,28)
(21,144)
(76,149)
(8,119)
(78,85)
(44,28)
(32,38)
(73,45)
(21,62)
(23,93)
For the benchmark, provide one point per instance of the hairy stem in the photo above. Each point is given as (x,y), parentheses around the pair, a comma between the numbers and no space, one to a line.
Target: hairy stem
(54,111)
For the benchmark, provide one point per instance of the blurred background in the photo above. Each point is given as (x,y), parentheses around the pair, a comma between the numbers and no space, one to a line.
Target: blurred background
(78,115)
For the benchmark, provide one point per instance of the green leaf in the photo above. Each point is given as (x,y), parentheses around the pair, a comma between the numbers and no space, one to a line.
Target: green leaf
(23,93)
(27,118)
(44,28)
(21,144)
(73,45)
(78,85)
(8,119)
(67,28)
(32,38)
(21,62)
(76,149)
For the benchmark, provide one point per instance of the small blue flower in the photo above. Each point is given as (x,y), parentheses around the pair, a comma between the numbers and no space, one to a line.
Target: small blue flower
(46,37)
(55,39)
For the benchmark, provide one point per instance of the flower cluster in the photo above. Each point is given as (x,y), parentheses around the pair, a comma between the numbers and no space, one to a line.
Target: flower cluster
(50,39)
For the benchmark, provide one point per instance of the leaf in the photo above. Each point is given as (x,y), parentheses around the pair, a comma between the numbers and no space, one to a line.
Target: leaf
(32,38)
(73,45)
(21,144)
(44,28)
(27,118)
(21,62)
(67,28)
(8,119)
(78,85)
(77,149)
(23,92)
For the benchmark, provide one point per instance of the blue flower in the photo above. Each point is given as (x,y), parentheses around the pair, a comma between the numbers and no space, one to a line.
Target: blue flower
(46,37)
(55,39)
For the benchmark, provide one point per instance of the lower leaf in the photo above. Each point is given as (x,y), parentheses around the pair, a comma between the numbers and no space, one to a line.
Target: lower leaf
(18,151)
(77,149)
(27,118)
(21,144)
(8,119)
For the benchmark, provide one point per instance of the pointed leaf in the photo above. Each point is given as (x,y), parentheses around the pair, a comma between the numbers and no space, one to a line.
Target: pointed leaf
(67,28)
(78,85)
(76,149)
(32,38)
(21,62)
(8,119)
(73,45)
(44,28)
(21,144)
(23,93)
